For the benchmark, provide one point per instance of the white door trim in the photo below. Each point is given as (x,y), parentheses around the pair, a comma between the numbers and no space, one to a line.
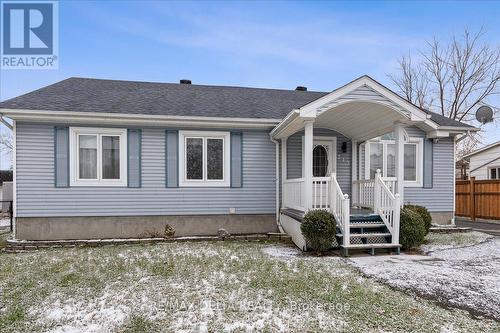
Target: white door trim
(331,141)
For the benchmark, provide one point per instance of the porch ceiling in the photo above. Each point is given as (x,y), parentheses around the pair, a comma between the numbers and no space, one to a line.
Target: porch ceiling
(360,120)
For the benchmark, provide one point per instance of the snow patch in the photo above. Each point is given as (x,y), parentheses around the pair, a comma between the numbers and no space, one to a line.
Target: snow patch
(465,277)
(280,251)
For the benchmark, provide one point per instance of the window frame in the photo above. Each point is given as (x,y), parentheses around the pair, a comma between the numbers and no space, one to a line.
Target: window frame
(418,142)
(226,163)
(74,156)
(497,167)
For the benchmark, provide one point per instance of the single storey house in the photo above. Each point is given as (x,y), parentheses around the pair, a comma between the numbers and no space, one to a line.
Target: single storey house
(114,159)
(484,163)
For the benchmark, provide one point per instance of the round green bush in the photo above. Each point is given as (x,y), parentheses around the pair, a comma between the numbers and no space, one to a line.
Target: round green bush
(319,228)
(412,229)
(424,214)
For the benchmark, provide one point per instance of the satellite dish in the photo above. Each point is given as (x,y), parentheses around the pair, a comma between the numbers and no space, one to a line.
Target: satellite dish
(484,114)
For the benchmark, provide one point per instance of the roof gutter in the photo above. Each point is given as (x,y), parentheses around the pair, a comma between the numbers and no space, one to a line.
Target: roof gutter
(288,119)
(137,119)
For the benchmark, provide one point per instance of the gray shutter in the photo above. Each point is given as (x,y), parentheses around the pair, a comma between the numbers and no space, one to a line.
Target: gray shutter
(428,162)
(172,158)
(236,159)
(134,157)
(61,156)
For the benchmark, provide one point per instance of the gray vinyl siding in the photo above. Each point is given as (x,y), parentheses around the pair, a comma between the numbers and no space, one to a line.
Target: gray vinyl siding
(439,198)
(38,197)
(364,93)
(344,160)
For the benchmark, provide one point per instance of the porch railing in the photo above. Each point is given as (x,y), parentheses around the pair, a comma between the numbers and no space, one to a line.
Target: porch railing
(292,194)
(321,193)
(387,205)
(340,208)
(363,193)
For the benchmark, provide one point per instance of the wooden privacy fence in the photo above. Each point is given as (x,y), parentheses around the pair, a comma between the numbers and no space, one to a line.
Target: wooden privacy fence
(478,199)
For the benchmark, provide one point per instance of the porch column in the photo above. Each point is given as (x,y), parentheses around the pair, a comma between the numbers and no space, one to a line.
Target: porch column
(400,149)
(354,172)
(283,171)
(308,164)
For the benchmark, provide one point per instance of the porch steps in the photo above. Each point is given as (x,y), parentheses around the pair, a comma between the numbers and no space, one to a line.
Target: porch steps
(365,235)
(368,232)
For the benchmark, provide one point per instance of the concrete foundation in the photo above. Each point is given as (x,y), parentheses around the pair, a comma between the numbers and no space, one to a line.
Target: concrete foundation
(105,227)
(442,218)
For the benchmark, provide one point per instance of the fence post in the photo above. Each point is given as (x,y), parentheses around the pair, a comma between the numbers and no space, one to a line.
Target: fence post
(472,195)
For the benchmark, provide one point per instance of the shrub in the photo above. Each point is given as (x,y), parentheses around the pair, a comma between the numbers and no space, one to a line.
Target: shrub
(412,229)
(424,213)
(319,229)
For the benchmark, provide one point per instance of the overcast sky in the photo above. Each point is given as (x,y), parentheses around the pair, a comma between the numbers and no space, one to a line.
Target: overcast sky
(321,45)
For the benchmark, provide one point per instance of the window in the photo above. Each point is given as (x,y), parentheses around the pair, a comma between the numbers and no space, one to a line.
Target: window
(381,154)
(204,158)
(376,158)
(320,161)
(494,173)
(98,157)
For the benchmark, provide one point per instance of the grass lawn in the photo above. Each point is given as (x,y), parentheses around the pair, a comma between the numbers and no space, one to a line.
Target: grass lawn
(207,287)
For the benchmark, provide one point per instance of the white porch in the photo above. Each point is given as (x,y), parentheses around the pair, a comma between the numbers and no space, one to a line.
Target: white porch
(357,112)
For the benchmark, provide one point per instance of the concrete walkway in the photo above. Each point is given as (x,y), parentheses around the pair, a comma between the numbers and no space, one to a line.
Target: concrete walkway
(466,277)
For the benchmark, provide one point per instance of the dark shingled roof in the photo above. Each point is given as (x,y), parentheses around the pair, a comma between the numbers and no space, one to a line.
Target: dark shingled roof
(92,95)
(151,98)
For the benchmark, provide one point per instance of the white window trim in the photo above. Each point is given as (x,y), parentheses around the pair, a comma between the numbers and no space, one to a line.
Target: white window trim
(419,142)
(489,172)
(74,132)
(226,165)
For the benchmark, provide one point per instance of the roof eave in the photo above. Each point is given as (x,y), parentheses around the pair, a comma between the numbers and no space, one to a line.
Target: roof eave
(135,119)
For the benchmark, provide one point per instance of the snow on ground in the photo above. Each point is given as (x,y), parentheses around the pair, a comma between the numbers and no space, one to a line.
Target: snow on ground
(280,251)
(4,222)
(466,276)
(207,287)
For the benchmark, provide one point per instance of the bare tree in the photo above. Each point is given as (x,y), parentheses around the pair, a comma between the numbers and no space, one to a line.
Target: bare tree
(6,143)
(452,78)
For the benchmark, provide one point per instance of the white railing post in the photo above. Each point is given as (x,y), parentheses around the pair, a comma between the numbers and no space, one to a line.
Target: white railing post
(396,217)
(346,206)
(333,194)
(376,192)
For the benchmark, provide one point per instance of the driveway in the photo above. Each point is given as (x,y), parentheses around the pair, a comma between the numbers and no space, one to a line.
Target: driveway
(465,275)
(492,228)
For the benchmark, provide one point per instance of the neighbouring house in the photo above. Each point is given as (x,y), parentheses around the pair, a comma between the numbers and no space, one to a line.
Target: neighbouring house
(483,163)
(5,186)
(106,159)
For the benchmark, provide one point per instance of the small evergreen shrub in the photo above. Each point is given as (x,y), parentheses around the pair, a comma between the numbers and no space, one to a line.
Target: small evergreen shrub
(424,213)
(319,228)
(412,229)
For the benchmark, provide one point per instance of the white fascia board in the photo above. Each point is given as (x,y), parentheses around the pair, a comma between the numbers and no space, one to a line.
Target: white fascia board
(136,119)
(416,113)
(277,132)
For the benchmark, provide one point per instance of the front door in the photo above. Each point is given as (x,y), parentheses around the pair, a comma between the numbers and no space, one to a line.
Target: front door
(324,154)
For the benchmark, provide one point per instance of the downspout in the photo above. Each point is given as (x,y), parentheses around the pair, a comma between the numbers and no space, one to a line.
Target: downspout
(6,123)
(277,144)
